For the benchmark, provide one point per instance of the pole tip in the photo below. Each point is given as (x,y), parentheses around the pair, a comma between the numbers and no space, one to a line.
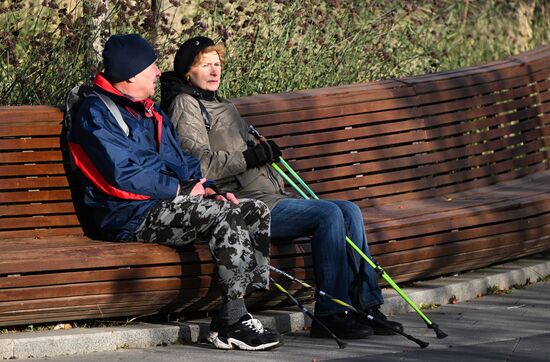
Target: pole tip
(438,332)
(423,344)
(342,345)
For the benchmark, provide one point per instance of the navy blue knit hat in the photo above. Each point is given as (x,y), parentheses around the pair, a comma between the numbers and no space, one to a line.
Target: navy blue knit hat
(187,53)
(124,56)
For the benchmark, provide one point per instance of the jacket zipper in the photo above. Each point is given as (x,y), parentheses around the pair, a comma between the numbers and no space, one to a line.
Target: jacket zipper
(272,178)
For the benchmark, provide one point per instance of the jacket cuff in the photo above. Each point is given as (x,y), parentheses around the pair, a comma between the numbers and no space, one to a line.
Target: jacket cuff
(187,186)
(212,185)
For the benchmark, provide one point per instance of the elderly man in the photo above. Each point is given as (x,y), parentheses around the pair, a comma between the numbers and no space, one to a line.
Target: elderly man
(140,186)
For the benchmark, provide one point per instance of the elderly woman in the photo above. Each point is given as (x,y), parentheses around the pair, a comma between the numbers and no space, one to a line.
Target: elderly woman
(210,128)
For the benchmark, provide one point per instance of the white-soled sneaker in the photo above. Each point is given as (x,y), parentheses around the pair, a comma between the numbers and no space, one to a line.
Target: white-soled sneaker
(247,334)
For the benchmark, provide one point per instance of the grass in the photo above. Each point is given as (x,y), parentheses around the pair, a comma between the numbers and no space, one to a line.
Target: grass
(496,290)
(273,46)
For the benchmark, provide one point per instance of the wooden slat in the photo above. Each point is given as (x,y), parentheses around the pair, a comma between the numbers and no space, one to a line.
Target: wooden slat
(52,242)
(14,115)
(35,196)
(33,156)
(34,129)
(41,233)
(29,143)
(37,209)
(32,170)
(38,221)
(33,182)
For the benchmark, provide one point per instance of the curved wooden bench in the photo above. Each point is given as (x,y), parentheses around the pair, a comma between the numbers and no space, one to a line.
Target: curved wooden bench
(451,170)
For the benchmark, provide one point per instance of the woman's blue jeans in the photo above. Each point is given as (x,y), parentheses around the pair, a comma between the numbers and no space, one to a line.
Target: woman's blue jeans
(338,269)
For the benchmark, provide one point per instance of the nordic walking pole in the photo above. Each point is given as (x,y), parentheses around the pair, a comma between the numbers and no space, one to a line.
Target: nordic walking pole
(421,343)
(341,344)
(438,332)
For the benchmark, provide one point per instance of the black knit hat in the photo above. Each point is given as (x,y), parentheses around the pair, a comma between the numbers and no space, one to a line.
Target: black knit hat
(188,51)
(124,56)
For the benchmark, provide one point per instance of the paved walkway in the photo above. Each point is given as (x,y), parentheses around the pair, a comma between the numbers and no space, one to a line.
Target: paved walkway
(513,326)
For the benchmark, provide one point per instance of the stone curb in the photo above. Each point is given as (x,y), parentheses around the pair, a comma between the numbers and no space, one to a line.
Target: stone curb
(438,291)
(469,285)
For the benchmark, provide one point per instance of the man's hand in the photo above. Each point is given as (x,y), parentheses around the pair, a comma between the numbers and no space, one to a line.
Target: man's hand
(229,196)
(198,189)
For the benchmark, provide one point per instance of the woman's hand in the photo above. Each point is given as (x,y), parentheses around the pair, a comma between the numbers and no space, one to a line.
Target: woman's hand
(261,154)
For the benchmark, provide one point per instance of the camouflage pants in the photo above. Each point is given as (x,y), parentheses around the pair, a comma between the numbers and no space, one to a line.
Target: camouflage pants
(238,236)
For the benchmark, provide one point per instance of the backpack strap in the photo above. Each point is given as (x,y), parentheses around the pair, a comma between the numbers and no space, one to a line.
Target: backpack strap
(112,107)
(205,115)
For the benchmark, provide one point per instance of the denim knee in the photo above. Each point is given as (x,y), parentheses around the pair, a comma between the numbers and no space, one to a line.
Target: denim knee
(350,209)
(328,212)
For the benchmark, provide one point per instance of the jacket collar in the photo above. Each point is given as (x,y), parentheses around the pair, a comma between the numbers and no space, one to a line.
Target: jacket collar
(145,106)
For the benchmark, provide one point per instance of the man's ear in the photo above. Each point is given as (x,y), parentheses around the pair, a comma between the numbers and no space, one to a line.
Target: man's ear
(131,80)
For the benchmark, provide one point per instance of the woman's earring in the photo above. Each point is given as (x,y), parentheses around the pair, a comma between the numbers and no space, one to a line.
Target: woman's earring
(188,79)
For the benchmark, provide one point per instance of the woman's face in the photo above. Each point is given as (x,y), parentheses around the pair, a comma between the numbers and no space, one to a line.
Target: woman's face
(207,73)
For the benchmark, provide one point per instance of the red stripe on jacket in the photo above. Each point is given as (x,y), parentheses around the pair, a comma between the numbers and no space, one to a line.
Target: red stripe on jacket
(83,162)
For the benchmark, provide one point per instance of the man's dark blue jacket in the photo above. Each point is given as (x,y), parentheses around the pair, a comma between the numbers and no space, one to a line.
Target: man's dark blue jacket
(126,175)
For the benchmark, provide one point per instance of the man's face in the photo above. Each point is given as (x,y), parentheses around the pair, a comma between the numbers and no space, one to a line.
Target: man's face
(143,83)
(207,73)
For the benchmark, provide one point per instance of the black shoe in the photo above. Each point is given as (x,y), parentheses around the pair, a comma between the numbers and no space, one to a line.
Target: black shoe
(378,328)
(342,325)
(247,334)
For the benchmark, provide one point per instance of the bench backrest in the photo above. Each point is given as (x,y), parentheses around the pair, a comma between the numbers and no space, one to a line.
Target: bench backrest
(418,137)
(35,198)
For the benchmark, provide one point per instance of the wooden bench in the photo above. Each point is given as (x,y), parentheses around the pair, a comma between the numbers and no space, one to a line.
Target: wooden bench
(451,170)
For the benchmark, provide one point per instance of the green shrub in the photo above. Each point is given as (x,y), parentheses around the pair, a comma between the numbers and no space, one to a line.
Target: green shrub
(273,46)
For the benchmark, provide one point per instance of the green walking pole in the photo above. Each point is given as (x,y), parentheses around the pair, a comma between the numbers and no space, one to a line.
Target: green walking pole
(439,333)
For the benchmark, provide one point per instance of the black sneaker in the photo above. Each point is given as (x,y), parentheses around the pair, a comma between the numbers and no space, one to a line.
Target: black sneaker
(378,328)
(247,334)
(342,325)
